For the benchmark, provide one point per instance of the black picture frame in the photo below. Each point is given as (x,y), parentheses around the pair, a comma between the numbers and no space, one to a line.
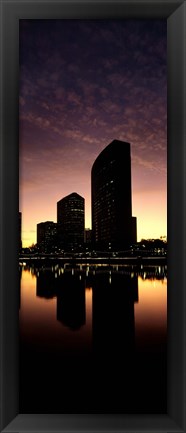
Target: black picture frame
(175,13)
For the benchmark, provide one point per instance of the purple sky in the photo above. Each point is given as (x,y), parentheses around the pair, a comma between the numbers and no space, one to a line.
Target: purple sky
(84,83)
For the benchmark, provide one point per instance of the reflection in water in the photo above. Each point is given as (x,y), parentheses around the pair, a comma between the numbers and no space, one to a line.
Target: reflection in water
(45,285)
(100,330)
(113,314)
(114,335)
(71,302)
(70,294)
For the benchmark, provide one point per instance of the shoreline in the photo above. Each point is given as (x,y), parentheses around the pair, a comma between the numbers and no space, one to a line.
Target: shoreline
(137,260)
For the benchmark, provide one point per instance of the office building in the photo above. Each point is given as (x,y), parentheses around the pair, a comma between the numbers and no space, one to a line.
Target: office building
(71,222)
(113,227)
(88,237)
(46,236)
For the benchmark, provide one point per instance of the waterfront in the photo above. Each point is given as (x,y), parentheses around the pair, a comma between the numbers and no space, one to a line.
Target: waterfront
(95,331)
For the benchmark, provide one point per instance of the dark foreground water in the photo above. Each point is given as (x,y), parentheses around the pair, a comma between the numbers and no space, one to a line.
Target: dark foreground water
(93,339)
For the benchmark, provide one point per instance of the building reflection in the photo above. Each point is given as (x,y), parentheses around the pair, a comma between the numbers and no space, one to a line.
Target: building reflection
(114,295)
(113,315)
(113,337)
(45,284)
(71,302)
(70,294)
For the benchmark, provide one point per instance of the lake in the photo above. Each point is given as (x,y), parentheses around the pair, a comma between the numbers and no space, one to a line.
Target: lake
(93,339)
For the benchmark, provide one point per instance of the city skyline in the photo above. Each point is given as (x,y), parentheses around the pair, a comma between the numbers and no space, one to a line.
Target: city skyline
(84,83)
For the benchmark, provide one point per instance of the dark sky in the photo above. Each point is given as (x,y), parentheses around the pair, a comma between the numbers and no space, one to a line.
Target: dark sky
(84,83)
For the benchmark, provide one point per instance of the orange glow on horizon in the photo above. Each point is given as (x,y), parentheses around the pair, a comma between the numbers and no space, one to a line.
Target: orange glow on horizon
(149,208)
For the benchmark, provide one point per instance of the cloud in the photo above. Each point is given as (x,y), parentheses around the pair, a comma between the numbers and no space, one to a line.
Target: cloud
(28,88)
(43,82)
(150,165)
(83,97)
(73,98)
(59,93)
(45,106)
(38,121)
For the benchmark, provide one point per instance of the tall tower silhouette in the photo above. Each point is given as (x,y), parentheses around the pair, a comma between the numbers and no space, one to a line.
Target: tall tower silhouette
(71,222)
(113,226)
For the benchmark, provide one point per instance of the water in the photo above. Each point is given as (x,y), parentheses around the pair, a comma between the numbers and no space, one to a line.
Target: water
(93,339)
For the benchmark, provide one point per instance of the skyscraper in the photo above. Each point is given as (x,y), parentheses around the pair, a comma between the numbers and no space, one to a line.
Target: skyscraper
(71,222)
(46,236)
(113,226)
(88,237)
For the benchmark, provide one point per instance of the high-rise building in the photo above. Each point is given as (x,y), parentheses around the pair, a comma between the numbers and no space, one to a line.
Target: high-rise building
(71,222)
(46,236)
(113,227)
(88,237)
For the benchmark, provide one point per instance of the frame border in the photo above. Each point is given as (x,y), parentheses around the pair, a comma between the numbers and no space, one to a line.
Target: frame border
(175,13)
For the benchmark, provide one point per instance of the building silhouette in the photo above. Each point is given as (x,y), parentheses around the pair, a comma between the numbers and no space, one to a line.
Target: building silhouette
(88,237)
(113,227)
(46,236)
(71,222)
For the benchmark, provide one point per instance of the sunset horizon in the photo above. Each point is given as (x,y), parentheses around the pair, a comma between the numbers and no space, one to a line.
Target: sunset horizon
(147,233)
(84,83)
